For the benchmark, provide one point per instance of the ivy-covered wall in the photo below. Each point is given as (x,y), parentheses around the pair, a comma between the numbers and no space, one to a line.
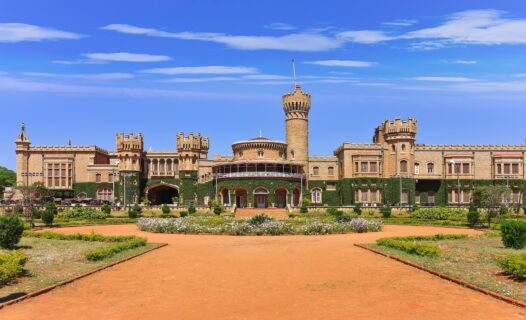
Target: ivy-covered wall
(250,184)
(329,197)
(90,188)
(188,186)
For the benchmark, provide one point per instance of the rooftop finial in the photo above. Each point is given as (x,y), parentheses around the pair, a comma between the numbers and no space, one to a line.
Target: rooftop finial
(294,72)
(260,135)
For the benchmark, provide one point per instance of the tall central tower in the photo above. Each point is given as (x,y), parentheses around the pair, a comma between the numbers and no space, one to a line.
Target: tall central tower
(297,106)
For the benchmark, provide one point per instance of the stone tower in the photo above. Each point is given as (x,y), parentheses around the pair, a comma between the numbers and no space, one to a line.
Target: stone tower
(130,149)
(191,148)
(22,156)
(398,138)
(297,106)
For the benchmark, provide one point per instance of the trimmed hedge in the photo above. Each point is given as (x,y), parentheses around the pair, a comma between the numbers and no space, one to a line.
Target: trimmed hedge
(438,214)
(11,264)
(514,264)
(77,236)
(82,213)
(410,245)
(111,250)
(513,234)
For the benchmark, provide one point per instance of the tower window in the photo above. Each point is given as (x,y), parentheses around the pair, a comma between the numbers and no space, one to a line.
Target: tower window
(260,154)
(241,154)
(393,147)
(292,154)
(403,166)
(403,147)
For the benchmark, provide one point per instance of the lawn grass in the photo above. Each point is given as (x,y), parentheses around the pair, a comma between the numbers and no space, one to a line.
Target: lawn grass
(52,261)
(473,260)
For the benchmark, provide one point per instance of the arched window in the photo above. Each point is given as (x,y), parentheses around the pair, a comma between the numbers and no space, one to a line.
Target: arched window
(393,147)
(98,177)
(110,177)
(330,171)
(104,193)
(417,168)
(403,147)
(315,171)
(241,154)
(316,195)
(260,153)
(292,154)
(403,166)
(430,168)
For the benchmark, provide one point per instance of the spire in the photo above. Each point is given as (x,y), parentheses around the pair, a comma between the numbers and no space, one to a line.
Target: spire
(22,136)
(294,73)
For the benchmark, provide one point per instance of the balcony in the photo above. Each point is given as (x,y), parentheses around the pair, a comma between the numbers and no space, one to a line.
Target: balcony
(257,174)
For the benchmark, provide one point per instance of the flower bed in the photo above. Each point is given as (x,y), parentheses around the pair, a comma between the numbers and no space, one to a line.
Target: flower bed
(229,226)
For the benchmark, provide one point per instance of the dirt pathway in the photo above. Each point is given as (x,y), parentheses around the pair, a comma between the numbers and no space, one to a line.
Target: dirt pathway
(286,277)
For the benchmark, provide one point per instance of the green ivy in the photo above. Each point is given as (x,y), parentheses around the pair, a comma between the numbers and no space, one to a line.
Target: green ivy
(90,188)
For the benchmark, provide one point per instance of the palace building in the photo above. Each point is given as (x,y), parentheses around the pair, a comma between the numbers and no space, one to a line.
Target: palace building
(263,173)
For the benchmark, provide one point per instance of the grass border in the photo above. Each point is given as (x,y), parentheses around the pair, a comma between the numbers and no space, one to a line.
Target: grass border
(64,282)
(463,283)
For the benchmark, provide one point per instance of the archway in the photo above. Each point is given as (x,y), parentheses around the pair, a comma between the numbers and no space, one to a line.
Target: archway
(225,197)
(241,198)
(162,193)
(296,197)
(281,197)
(260,197)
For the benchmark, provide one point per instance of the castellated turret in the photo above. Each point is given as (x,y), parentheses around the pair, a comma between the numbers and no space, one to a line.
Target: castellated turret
(130,148)
(297,106)
(191,148)
(398,137)
(22,155)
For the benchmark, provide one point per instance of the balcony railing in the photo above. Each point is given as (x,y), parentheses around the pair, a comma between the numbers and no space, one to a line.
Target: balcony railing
(255,174)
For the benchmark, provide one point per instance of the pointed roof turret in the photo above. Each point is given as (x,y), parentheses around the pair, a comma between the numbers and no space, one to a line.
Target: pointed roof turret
(22,136)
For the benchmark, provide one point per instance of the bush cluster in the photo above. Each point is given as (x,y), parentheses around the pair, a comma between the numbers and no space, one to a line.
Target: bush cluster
(11,229)
(106,208)
(411,246)
(183,214)
(357,208)
(473,216)
(191,209)
(258,225)
(513,234)
(514,264)
(386,211)
(438,214)
(11,264)
(48,215)
(109,251)
(165,209)
(218,209)
(82,213)
(77,236)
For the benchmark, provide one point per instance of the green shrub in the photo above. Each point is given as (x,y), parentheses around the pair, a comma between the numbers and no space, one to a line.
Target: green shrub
(51,207)
(438,214)
(108,251)
(137,208)
(514,264)
(358,208)
(106,208)
(183,214)
(410,245)
(47,217)
(344,218)
(132,214)
(77,236)
(415,207)
(191,209)
(334,212)
(473,216)
(11,229)
(386,211)
(37,214)
(304,209)
(218,209)
(165,209)
(19,210)
(259,219)
(11,264)
(513,234)
(82,213)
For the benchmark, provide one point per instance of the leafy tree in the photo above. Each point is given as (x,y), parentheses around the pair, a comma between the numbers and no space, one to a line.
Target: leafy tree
(491,198)
(7,179)
(30,195)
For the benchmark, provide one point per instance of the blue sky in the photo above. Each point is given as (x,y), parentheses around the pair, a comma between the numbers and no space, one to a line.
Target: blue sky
(86,70)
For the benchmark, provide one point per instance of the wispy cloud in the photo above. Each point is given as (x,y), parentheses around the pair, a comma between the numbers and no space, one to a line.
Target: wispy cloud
(197,80)
(364,36)
(79,61)
(443,79)
(401,23)
(202,70)
(126,57)
(289,42)
(82,76)
(280,26)
(465,61)
(18,32)
(342,63)
(266,77)
(520,75)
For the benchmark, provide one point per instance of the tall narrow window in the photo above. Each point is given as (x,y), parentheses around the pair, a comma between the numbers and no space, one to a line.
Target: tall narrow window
(363,167)
(110,177)
(97,177)
(316,195)
(499,168)
(506,168)
(515,168)
(430,168)
(417,168)
(465,168)
(330,171)
(403,166)
(315,171)
(373,166)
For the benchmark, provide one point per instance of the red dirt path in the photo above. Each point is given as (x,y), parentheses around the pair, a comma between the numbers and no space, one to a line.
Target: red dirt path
(285,277)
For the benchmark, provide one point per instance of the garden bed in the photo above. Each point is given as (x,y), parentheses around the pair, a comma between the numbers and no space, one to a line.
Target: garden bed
(473,260)
(51,261)
(258,225)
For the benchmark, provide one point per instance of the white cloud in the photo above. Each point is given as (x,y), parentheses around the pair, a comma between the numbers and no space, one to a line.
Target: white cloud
(195,80)
(401,23)
(520,75)
(79,61)
(83,76)
(342,63)
(465,61)
(443,79)
(126,57)
(18,32)
(202,70)
(280,26)
(289,42)
(364,36)
(266,77)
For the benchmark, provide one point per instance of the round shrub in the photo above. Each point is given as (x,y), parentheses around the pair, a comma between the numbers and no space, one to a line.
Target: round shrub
(513,234)
(47,217)
(358,208)
(106,209)
(303,209)
(183,214)
(473,216)
(51,207)
(259,219)
(132,214)
(386,211)
(137,208)
(35,213)
(191,209)
(11,228)
(218,209)
(165,209)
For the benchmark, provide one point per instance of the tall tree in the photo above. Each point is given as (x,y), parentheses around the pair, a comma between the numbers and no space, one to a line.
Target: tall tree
(492,199)
(7,179)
